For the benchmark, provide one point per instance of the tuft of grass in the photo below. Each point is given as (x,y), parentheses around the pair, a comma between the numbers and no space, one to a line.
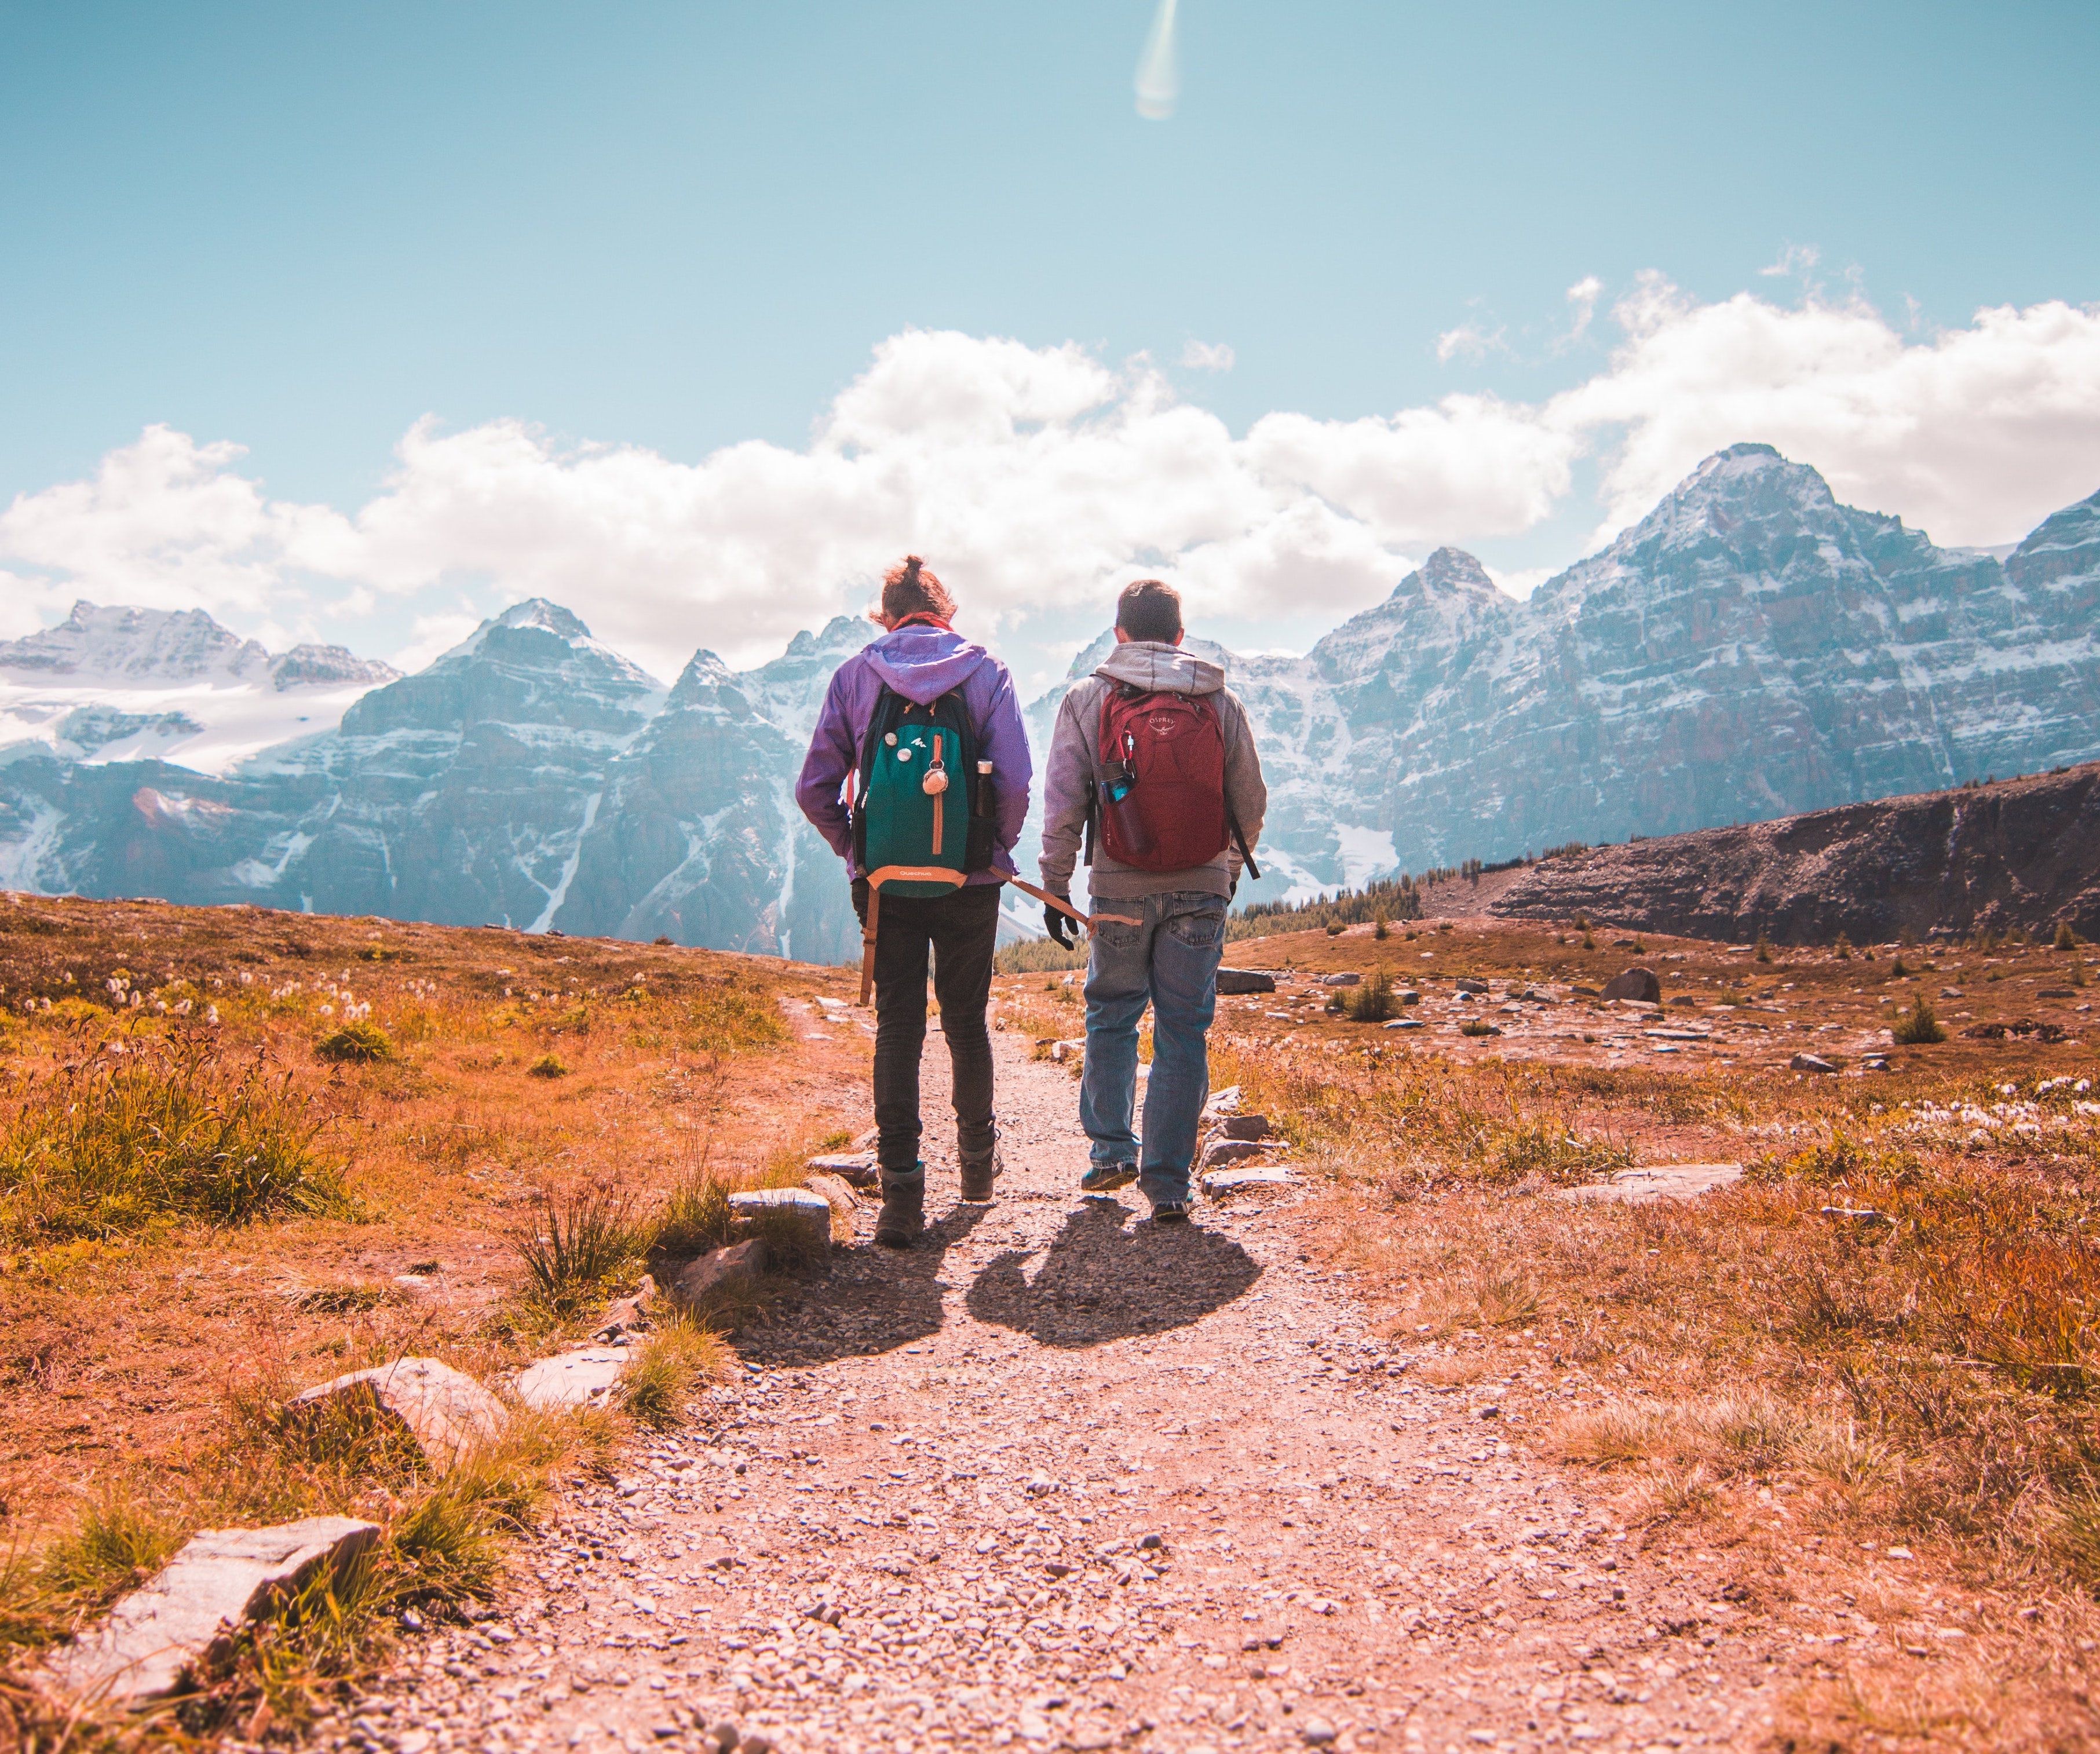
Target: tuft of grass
(577,1241)
(355,1044)
(694,1217)
(674,1358)
(546,1066)
(125,1147)
(1549,1149)
(1918,1026)
(2066,938)
(1764,950)
(1478,1026)
(1334,932)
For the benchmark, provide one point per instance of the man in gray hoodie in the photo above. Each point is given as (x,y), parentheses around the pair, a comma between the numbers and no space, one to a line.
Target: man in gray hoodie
(1170,956)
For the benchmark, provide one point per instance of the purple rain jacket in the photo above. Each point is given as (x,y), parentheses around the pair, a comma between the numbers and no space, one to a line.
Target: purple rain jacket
(922,663)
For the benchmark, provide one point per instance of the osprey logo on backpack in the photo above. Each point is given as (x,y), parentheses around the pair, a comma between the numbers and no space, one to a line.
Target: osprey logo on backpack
(917,797)
(1162,797)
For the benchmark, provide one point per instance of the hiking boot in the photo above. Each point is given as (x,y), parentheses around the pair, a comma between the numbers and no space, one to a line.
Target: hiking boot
(1106,1177)
(1170,1212)
(980,1173)
(903,1213)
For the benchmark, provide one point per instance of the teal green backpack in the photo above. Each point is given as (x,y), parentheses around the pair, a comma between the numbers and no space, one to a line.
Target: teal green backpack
(920,799)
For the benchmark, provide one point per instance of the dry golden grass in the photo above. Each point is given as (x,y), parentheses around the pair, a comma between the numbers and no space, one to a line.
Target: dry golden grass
(242,1151)
(1885,1337)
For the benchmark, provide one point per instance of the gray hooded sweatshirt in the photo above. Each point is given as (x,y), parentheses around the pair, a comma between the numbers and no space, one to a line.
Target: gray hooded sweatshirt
(1075,769)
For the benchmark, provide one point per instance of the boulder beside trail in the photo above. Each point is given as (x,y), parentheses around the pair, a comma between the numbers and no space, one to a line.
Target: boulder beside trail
(446,1411)
(1636,983)
(1245,980)
(737,1267)
(221,1580)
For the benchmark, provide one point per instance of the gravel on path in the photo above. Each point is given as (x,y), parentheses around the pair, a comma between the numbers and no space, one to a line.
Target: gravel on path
(1059,1478)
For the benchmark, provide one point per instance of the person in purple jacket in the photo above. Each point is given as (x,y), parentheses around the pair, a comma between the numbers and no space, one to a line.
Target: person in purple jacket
(922,658)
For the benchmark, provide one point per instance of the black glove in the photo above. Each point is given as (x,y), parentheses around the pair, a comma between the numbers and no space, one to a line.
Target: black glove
(860,899)
(1058,925)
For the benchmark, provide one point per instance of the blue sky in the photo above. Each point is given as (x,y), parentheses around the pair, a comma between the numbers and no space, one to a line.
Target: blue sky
(302,229)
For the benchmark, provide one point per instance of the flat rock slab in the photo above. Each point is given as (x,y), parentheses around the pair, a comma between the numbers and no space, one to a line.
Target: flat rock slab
(856,1169)
(1809,1063)
(1348,977)
(1224,1151)
(1245,980)
(1669,1181)
(1221,1182)
(221,1580)
(585,1377)
(446,1411)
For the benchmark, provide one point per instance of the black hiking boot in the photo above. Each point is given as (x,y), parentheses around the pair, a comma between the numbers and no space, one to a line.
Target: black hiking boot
(903,1213)
(1170,1212)
(1106,1177)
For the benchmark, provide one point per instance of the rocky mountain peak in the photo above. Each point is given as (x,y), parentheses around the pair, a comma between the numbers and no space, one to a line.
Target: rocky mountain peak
(550,617)
(1451,569)
(2066,544)
(138,645)
(308,666)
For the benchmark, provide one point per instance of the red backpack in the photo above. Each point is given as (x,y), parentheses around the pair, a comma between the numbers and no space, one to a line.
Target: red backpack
(1162,794)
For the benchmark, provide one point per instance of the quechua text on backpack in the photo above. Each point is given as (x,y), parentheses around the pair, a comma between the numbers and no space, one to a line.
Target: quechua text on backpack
(919,798)
(1161,799)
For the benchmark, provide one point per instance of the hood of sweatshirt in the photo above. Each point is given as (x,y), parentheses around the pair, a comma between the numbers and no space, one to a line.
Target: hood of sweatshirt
(922,663)
(1156,667)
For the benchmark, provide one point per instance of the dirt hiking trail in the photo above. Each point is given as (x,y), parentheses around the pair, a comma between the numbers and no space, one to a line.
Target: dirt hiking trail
(1059,1478)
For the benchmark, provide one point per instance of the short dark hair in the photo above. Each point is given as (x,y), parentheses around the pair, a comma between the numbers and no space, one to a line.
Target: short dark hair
(910,589)
(1150,608)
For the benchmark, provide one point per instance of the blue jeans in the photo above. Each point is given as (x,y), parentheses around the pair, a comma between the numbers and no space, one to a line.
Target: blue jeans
(1169,958)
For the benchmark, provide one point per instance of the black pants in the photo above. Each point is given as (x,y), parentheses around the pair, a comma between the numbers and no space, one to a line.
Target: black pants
(961,930)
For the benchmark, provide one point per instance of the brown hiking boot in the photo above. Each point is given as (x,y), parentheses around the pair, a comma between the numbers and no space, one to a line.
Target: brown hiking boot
(980,1173)
(903,1213)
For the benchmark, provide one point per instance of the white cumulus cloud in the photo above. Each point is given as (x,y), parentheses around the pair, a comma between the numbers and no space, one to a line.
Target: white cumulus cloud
(1207,356)
(1041,479)
(1975,435)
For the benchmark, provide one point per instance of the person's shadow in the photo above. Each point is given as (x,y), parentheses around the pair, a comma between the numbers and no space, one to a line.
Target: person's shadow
(873,1299)
(1103,1279)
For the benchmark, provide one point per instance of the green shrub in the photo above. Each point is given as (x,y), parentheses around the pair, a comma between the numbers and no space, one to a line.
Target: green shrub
(1334,932)
(1381,928)
(1373,1002)
(2066,938)
(1843,948)
(546,1066)
(119,1147)
(1917,1027)
(358,1044)
(1477,1026)
(1764,948)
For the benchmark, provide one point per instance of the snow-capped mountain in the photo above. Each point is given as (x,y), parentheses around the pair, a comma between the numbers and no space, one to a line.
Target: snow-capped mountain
(128,684)
(1752,649)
